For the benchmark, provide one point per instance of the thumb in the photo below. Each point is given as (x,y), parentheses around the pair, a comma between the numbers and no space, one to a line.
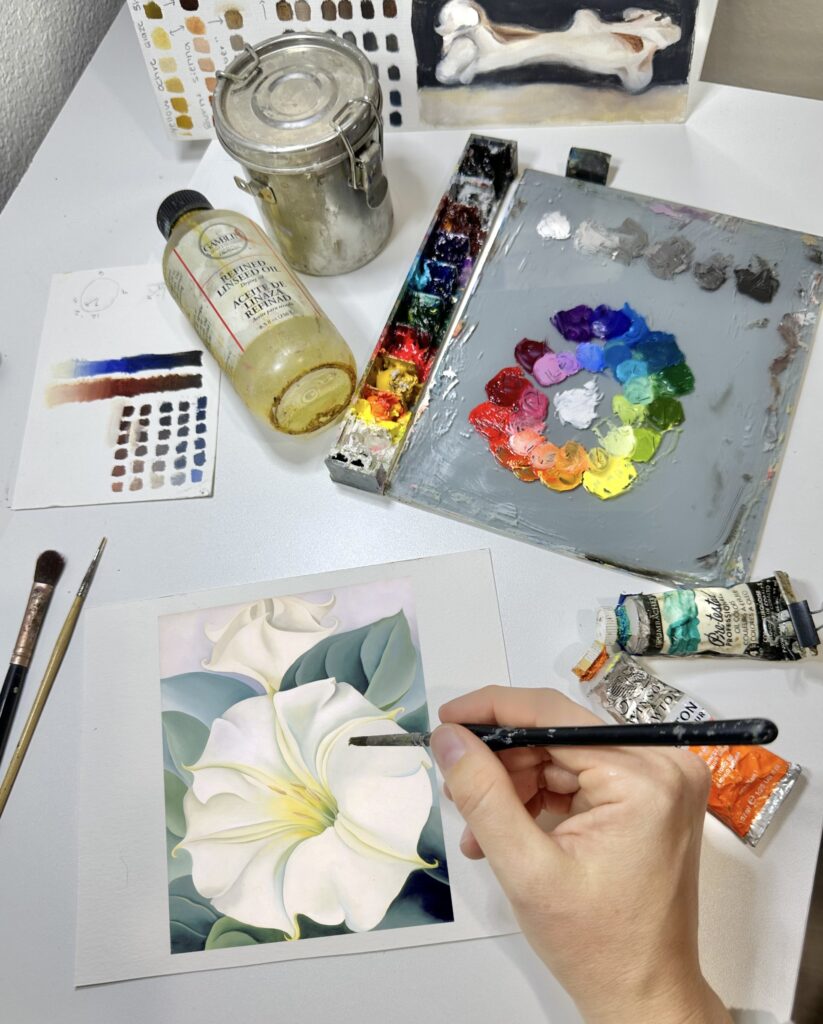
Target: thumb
(485,796)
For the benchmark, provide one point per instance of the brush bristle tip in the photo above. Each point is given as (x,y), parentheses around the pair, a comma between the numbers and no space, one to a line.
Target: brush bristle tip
(49,568)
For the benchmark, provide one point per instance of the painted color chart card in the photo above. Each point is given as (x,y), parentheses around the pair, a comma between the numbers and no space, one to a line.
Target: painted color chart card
(124,404)
(451,64)
(225,819)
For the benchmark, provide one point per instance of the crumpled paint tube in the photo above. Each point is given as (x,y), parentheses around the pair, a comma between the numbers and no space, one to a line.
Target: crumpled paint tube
(749,783)
(760,619)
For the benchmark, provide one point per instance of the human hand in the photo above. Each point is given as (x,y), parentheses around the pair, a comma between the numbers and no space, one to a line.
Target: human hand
(608,897)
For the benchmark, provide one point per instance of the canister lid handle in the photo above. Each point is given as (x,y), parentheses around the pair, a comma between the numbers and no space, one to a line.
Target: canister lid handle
(248,72)
(366,166)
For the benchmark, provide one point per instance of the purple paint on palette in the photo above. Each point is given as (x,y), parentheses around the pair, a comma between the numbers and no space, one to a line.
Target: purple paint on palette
(449,248)
(574,324)
(555,367)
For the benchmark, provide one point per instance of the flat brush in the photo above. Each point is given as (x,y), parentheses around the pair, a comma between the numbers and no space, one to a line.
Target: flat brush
(732,732)
(61,645)
(47,572)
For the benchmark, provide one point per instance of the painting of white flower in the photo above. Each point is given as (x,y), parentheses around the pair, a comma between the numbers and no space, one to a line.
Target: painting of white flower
(276,828)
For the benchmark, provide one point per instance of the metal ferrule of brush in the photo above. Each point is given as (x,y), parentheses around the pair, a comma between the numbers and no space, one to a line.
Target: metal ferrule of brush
(401,739)
(32,621)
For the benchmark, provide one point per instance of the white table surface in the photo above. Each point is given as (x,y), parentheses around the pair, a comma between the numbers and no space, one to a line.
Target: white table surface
(89,200)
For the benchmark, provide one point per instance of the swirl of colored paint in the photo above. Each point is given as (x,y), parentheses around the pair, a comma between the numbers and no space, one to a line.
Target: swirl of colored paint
(637,330)
(506,387)
(590,356)
(527,352)
(533,405)
(609,323)
(574,324)
(546,371)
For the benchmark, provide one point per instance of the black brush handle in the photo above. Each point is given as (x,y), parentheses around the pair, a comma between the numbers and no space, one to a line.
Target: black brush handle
(719,732)
(9,699)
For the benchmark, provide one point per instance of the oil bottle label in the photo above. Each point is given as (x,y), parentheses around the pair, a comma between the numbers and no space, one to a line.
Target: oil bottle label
(232,285)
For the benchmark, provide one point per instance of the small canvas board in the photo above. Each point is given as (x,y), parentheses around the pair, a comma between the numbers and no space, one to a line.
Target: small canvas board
(225,820)
(124,405)
(447,63)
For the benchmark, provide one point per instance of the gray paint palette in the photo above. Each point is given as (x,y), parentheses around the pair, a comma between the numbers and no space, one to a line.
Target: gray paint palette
(696,511)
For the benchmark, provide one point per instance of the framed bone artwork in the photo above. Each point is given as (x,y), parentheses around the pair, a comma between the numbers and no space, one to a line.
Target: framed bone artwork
(531,62)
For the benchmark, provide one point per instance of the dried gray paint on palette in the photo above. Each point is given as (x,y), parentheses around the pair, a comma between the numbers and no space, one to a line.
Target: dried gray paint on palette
(695,512)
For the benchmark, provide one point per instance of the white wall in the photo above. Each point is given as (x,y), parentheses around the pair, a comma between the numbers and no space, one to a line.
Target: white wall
(44,45)
(776,45)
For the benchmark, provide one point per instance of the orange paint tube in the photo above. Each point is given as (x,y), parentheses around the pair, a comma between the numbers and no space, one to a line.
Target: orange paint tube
(749,783)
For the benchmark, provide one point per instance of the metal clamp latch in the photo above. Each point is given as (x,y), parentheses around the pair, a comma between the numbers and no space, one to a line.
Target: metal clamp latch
(249,71)
(366,165)
(255,188)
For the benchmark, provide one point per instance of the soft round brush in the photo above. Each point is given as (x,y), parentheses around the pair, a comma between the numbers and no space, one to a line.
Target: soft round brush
(46,574)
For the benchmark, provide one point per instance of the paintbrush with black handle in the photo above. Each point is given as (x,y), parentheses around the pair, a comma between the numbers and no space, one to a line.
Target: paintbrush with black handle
(46,574)
(714,732)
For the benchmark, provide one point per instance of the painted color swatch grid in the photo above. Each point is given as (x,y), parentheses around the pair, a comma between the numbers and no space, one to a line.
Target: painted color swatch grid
(186,42)
(125,400)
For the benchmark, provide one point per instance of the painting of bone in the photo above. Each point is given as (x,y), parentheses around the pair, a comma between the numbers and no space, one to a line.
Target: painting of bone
(528,62)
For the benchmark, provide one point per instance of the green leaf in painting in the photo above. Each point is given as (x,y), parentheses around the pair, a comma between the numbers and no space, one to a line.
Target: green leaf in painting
(175,790)
(415,721)
(228,933)
(378,660)
(431,847)
(422,900)
(203,695)
(394,671)
(343,661)
(186,738)
(191,916)
(309,929)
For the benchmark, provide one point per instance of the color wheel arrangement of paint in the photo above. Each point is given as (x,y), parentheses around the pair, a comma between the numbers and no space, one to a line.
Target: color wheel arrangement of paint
(377,421)
(648,364)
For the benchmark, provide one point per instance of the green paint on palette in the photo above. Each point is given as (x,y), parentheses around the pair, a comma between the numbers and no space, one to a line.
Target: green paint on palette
(665,412)
(639,390)
(153,11)
(646,444)
(625,411)
(674,380)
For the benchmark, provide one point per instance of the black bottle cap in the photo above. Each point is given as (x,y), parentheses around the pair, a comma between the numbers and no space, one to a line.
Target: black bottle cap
(174,206)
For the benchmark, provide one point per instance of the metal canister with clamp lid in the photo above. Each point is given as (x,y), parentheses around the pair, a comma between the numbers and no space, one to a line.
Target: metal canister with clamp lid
(302,114)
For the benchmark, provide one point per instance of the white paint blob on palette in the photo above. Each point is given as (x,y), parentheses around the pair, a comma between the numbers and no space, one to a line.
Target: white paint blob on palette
(451,63)
(124,404)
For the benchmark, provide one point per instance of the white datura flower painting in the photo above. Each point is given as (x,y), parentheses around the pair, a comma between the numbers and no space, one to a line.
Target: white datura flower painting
(265,638)
(283,817)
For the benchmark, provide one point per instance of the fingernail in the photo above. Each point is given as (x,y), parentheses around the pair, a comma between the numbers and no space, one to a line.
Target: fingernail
(447,746)
(466,838)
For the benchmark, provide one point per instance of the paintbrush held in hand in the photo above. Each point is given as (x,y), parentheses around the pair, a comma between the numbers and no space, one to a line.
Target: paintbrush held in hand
(46,574)
(737,731)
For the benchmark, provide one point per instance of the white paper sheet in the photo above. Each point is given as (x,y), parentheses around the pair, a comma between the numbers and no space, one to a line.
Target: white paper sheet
(111,331)
(123,912)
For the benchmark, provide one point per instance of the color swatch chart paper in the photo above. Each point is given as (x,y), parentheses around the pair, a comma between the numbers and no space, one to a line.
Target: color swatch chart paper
(186,42)
(124,405)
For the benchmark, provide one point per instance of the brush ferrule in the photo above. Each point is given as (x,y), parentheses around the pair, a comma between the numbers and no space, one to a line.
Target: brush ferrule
(35,612)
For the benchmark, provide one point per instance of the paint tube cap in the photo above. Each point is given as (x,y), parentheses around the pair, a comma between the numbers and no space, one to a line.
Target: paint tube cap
(606,628)
(174,206)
